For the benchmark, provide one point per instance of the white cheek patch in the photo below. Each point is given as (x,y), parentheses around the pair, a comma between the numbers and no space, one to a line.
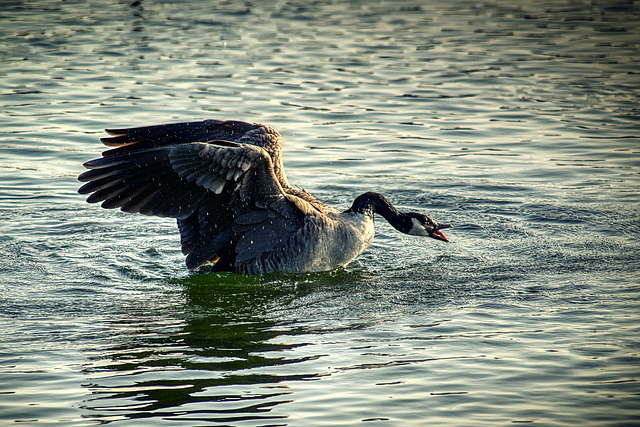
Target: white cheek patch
(418,229)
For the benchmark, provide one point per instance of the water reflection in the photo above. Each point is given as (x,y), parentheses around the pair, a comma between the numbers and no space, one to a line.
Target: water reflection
(204,354)
(221,356)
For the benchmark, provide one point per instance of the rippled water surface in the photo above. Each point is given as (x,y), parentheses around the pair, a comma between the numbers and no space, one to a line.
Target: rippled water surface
(517,122)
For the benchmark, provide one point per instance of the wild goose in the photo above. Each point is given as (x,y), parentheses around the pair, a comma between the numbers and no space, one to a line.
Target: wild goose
(224,181)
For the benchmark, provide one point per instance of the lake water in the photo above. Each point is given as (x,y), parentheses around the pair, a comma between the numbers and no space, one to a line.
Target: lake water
(517,122)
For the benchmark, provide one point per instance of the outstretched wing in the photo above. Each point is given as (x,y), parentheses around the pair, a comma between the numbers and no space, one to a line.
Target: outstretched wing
(219,191)
(140,138)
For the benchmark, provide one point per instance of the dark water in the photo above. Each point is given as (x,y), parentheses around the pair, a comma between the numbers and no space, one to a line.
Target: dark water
(517,122)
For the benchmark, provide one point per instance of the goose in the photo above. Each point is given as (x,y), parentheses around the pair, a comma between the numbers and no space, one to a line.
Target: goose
(225,183)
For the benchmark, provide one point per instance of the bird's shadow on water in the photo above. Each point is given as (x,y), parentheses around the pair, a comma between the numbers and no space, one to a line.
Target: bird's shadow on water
(227,352)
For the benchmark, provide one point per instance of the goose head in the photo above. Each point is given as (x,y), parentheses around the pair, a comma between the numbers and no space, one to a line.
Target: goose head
(417,224)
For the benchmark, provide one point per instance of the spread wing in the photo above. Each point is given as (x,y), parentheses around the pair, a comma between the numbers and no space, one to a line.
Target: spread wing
(226,196)
(136,139)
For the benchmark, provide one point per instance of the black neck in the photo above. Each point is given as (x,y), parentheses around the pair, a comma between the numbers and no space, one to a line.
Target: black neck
(370,203)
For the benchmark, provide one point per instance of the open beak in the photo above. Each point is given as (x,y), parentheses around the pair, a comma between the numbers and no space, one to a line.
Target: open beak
(439,235)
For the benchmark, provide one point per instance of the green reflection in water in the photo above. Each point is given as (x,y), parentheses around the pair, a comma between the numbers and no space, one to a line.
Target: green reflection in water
(220,356)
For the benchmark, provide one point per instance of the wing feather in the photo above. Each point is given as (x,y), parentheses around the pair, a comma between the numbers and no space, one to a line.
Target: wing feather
(222,180)
(223,131)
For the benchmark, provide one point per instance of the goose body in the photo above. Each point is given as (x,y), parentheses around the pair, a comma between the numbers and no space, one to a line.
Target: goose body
(225,184)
